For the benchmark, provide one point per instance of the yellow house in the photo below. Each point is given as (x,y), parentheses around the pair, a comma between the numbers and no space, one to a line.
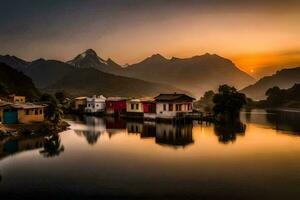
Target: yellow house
(28,113)
(80,102)
(134,106)
(16,99)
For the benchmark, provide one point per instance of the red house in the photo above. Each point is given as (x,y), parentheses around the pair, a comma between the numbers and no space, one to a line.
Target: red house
(115,105)
(149,107)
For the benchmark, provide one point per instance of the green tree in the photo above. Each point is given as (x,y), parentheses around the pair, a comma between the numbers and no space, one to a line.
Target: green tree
(228,103)
(206,102)
(60,96)
(54,111)
(3,90)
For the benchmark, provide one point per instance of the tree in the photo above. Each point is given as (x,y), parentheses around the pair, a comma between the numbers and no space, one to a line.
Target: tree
(3,90)
(60,96)
(228,103)
(206,102)
(54,111)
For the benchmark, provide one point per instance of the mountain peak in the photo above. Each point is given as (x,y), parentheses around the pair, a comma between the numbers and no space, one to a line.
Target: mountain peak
(90,52)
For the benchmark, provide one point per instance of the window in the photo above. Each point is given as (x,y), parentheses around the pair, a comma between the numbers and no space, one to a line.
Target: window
(132,106)
(178,107)
(164,107)
(170,107)
(36,112)
(137,106)
(41,111)
(26,112)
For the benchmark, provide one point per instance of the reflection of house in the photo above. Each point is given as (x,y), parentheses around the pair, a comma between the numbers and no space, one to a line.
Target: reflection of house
(170,105)
(95,104)
(134,107)
(16,99)
(22,113)
(79,103)
(173,135)
(149,107)
(91,129)
(12,146)
(134,127)
(149,130)
(115,105)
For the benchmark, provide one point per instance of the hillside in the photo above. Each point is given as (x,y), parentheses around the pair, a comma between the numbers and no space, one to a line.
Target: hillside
(89,81)
(14,62)
(47,72)
(15,82)
(196,74)
(284,79)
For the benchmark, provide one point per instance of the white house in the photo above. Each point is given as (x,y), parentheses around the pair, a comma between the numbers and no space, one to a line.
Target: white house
(168,106)
(95,104)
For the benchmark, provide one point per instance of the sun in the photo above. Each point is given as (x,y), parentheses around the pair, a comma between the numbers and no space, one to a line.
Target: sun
(251,70)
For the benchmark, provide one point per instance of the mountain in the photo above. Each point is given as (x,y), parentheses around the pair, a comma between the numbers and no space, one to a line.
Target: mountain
(15,82)
(90,59)
(197,74)
(89,81)
(284,79)
(14,62)
(47,72)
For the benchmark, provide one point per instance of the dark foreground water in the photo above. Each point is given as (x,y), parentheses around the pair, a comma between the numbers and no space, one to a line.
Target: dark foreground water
(114,159)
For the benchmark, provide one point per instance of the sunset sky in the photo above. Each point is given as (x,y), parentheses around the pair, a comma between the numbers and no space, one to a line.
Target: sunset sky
(259,36)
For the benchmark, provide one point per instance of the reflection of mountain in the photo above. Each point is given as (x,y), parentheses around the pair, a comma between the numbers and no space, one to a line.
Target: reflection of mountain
(286,121)
(227,132)
(91,128)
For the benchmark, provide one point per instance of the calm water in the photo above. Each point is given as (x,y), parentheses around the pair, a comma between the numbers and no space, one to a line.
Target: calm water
(112,158)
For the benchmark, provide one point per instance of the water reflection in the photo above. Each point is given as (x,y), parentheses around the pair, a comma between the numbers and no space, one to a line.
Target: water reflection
(163,133)
(278,120)
(228,132)
(17,144)
(52,146)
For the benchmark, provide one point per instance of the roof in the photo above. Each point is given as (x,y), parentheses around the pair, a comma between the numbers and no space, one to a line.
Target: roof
(116,99)
(4,103)
(28,105)
(147,100)
(173,97)
(80,98)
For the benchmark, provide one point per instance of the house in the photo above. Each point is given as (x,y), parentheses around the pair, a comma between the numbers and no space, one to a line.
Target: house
(115,105)
(29,112)
(149,108)
(22,113)
(168,106)
(79,103)
(95,104)
(16,99)
(2,105)
(134,107)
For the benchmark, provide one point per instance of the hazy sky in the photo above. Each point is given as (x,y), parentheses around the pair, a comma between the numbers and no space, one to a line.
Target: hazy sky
(255,34)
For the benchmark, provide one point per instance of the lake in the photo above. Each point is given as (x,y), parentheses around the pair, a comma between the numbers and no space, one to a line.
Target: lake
(110,158)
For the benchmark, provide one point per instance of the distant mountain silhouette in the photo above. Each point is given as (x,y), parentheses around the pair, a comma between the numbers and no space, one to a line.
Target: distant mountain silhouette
(14,62)
(284,79)
(89,81)
(196,75)
(15,82)
(47,72)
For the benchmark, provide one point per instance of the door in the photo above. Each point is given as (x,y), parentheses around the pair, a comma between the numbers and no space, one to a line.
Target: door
(10,116)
